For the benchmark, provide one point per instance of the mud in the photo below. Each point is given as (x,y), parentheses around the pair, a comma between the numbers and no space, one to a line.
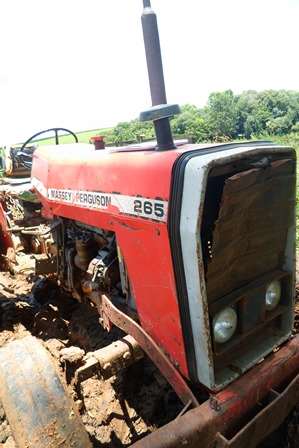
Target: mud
(115,412)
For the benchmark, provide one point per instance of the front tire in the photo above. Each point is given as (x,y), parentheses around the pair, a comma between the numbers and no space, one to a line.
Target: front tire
(37,406)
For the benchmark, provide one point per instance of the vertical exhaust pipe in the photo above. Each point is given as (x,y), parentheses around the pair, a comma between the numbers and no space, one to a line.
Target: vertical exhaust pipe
(161,111)
(153,54)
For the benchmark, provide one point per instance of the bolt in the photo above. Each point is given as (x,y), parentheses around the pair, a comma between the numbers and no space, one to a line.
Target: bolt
(126,356)
(214,404)
(107,366)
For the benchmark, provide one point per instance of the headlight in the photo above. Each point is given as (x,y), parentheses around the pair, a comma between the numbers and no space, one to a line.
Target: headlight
(273,295)
(224,325)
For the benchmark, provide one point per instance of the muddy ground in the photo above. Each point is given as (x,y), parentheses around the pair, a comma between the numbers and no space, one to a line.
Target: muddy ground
(115,412)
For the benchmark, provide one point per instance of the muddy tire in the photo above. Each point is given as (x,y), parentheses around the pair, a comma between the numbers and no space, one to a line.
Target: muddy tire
(36,404)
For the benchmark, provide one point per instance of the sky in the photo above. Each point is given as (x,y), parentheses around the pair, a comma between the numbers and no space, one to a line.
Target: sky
(80,64)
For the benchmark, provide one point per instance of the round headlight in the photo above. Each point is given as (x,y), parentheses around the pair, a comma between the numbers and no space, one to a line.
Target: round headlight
(273,295)
(224,325)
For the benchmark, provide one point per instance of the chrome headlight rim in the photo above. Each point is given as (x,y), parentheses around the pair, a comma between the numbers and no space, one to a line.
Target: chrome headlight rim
(273,295)
(224,325)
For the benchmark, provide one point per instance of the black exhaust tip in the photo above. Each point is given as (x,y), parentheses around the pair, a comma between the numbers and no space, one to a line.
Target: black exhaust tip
(161,111)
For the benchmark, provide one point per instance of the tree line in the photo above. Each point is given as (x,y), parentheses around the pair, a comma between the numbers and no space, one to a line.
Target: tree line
(226,116)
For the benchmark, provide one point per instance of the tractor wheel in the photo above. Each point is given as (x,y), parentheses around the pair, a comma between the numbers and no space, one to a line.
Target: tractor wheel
(37,406)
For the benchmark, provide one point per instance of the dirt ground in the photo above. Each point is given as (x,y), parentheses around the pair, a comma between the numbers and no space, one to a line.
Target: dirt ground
(115,412)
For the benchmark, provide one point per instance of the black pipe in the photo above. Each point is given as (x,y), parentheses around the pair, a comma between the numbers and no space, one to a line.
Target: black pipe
(164,134)
(153,54)
(156,75)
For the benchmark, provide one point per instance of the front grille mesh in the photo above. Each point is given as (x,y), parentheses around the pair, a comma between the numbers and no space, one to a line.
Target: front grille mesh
(246,220)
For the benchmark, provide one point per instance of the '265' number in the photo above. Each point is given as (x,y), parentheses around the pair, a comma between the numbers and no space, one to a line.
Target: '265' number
(148,208)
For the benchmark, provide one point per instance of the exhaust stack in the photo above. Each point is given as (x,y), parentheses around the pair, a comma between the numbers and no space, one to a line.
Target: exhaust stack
(161,111)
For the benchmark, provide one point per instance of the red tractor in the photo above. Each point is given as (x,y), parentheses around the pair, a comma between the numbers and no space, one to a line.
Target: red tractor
(190,250)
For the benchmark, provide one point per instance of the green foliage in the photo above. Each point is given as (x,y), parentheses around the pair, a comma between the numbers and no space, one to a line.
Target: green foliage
(271,111)
(295,127)
(191,123)
(83,137)
(226,116)
(132,131)
(221,115)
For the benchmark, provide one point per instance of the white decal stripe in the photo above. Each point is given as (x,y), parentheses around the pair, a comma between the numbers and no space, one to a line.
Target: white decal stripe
(130,205)
(39,186)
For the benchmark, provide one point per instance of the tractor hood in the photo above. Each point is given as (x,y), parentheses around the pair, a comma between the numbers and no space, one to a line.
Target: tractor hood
(108,179)
(115,179)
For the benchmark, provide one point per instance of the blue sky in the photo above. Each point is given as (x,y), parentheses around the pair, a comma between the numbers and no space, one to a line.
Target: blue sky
(80,63)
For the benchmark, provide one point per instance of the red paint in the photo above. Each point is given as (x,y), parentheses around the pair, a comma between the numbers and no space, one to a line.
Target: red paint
(144,243)
(98,141)
(226,410)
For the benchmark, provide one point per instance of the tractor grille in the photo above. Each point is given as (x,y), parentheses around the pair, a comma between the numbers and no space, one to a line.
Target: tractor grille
(248,212)
(245,231)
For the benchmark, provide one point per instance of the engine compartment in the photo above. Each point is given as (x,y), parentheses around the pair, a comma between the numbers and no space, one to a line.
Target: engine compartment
(89,262)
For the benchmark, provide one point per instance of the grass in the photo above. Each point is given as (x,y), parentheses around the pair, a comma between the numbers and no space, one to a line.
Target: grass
(83,137)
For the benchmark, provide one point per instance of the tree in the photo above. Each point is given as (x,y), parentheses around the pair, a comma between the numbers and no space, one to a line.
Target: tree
(190,123)
(222,115)
(132,131)
(225,117)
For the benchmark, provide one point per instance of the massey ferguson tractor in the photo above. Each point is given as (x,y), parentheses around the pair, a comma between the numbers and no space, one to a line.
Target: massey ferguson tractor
(188,249)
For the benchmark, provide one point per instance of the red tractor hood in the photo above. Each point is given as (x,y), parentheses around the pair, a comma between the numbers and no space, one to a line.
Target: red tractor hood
(77,175)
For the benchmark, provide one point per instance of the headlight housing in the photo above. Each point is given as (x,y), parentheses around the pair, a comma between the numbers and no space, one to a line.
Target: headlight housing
(224,325)
(273,295)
